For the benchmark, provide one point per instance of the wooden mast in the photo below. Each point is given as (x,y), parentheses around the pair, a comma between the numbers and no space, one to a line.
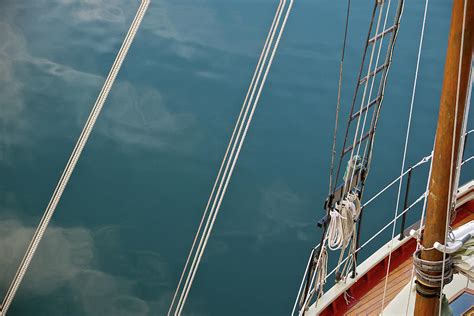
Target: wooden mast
(438,198)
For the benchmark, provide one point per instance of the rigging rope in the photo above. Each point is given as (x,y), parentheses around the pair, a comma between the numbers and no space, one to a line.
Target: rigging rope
(369,71)
(388,186)
(336,227)
(373,79)
(381,93)
(461,149)
(371,133)
(243,110)
(420,228)
(405,149)
(75,155)
(342,222)
(418,200)
(230,160)
(339,89)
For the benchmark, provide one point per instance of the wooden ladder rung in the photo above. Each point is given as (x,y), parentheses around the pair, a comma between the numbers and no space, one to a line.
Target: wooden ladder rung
(373,73)
(380,35)
(347,149)
(365,108)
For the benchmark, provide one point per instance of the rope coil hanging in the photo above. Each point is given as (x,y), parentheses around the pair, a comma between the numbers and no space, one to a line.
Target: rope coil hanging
(340,226)
(342,222)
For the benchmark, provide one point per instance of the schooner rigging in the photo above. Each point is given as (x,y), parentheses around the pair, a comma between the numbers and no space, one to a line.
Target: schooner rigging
(345,204)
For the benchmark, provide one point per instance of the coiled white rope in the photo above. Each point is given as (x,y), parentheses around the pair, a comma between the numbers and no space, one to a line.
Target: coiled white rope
(418,200)
(75,155)
(422,197)
(230,159)
(423,161)
(342,222)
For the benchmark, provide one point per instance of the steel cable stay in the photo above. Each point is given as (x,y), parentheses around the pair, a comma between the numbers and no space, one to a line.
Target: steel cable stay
(348,183)
(420,163)
(238,123)
(309,275)
(75,155)
(317,256)
(339,91)
(358,167)
(230,158)
(405,149)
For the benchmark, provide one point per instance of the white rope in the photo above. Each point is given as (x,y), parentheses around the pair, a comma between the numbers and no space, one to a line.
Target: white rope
(389,224)
(319,279)
(349,233)
(245,105)
(339,90)
(382,85)
(75,155)
(467,160)
(420,228)
(448,208)
(373,78)
(419,163)
(405,150)
(421,197)
(224,181)
(464,134)
(342,222)
(305,274)
(369,71)
(235,160)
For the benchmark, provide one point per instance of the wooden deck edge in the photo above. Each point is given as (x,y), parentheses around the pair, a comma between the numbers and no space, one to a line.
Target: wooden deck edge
(333,302)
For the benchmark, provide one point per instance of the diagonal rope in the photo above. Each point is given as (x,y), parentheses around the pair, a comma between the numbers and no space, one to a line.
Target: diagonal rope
(462,141)
(369,70)
(339,89)
(75,155)
(350,178)
(405,149)
(418,200)
(199,251)
(423,161)
(373,79)
(256,74)
(369,145)
(420,228)
(354,98)
(232,159)
(367,151)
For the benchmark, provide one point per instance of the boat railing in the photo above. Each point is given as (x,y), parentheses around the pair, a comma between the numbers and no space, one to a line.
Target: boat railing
(303,301)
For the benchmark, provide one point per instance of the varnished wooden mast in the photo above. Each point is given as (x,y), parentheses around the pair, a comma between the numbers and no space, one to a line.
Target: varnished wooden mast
(439,194)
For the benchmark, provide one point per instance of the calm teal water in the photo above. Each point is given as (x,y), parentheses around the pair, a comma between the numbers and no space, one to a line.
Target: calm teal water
(119,239)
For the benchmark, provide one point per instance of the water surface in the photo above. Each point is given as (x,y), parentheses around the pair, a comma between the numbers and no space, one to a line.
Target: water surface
(120,236)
